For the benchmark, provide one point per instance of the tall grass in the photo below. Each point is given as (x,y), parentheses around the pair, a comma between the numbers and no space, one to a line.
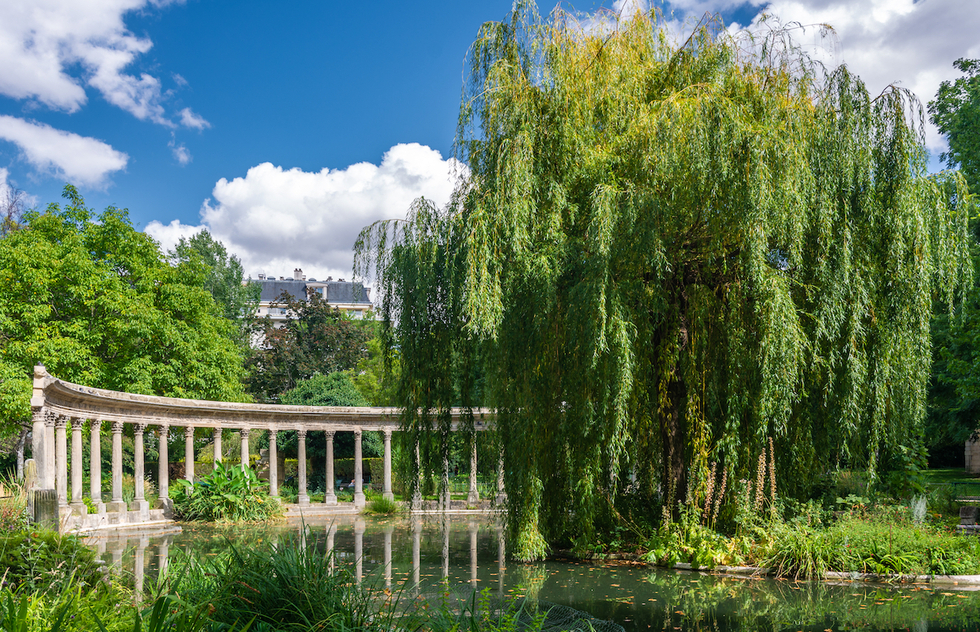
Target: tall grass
(13,504)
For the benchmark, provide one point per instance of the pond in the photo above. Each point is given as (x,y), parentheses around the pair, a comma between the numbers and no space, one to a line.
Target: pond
(415,556)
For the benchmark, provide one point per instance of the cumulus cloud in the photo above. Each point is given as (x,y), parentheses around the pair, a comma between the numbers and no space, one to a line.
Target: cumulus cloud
(43,42)
(78,159)
(188,118)
(912,43)
(180,152)
(278,219)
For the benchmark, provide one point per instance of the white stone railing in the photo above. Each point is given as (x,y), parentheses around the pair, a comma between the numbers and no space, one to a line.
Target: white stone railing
(58,405)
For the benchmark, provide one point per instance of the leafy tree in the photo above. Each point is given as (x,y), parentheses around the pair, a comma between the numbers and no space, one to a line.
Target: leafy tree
(317,338)
(334,389)
(666,256)
(956,112)
(94,301)
(954,395)
(224,278)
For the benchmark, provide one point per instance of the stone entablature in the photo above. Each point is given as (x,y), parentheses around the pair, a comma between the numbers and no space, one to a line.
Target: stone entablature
(58,406)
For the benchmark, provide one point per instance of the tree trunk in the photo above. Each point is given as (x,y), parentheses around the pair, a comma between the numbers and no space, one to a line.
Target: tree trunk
(673,435)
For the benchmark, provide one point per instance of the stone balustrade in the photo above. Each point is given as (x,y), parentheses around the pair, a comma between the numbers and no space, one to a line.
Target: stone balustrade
(57,405)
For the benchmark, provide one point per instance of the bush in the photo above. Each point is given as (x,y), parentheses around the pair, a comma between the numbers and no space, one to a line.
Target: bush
(13,505)
(382,506)
(227,494)
(40,560)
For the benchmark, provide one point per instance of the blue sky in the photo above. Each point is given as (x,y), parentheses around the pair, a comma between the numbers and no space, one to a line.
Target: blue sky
(284,127)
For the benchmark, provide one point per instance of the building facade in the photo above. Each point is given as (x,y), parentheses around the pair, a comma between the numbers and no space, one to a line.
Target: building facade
(349,297)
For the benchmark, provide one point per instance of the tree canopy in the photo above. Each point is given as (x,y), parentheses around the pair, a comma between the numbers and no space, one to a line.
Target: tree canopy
(316,338)
(955,388)
(665,255)
(224,278)
(94,300)
(956,112)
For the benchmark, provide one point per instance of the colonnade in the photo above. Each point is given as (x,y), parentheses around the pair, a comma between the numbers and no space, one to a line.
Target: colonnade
(143,547)
(58,405)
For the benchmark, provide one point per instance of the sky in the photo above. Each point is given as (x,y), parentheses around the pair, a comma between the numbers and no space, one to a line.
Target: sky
(285,127)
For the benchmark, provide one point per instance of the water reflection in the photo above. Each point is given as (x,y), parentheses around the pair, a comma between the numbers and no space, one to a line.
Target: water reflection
(416,554)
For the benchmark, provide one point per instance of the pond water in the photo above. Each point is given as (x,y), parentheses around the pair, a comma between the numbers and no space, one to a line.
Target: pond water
(415,555)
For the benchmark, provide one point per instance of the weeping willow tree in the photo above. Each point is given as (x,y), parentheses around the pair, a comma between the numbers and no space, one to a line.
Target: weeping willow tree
(661,257)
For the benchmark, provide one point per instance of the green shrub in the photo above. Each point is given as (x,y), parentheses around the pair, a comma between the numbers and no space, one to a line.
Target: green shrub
(13,505)
(40,559)
(382,506)
(227,494)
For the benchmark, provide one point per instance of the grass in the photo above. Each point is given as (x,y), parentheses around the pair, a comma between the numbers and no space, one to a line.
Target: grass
(383,506)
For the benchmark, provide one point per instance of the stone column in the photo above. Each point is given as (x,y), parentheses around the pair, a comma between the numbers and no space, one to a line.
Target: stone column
(473,568)
(139,563)
(359,528)
(302,499)
(61,458)
(217,446)
(243,437)
(447,496)
(77,506)
(416,552)
(474,495)
(501,563)
(189,453)
(445,546)
(38,444)
(330,497)
(331,532)
(389,528)
(417,493)
(139,498)
(388,494)
(163,553)
(358,472)
(117,504)
(49,452)
(273,464)
(501,494)
(163,470)
(95,465)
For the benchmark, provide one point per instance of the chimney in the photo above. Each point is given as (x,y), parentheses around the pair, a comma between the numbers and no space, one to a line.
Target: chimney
(298,274)
(261,276)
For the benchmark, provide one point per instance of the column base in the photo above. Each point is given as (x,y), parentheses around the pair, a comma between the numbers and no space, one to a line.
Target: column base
(388,496)
(142,506)
(303,500)
(359,501)
(99,506)
(78,508)
(473,498)
(167,505)
(117,506)
(330,499)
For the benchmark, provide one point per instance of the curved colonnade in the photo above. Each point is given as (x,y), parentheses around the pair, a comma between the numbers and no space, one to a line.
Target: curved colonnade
(58,406)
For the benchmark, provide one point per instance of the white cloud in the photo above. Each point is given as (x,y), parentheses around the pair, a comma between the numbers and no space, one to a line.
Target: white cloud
(78,159)
(180,152)
(188,118)
(43,41)
(909,42)
(279,219)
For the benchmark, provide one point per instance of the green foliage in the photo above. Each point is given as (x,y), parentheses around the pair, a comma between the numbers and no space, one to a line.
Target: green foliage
(93,300)
(376,383)
(382,506)
(289,587)
(688,540)
(316,339)
(42,560)
(661,256)
(956,112)
(334,389)
(227,494)
(13,505)
(224,278)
